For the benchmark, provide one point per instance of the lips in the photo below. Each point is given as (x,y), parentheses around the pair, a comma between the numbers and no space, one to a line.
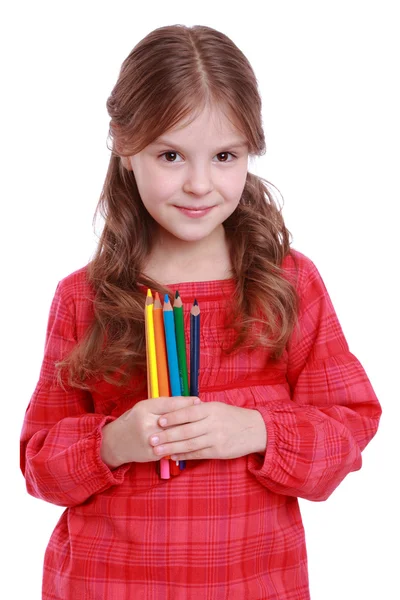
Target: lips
(195,208)
(196,212)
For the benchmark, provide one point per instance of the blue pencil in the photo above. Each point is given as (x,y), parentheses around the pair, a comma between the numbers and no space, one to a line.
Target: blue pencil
(172,353)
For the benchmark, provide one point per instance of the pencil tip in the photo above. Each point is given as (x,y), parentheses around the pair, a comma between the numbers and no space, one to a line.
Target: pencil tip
(195,302)
(166,298)
(177,294)
(157,296)
(149,292)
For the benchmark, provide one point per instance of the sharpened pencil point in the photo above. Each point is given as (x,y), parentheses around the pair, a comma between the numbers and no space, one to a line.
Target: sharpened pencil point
(149,292)
(195,302)
(166,298)
(157,295)
(177,294)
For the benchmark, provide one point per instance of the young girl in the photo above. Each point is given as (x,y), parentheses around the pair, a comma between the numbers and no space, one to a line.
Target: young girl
(284,409)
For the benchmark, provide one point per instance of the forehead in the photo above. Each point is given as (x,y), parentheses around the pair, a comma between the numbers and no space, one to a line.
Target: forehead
(209,126)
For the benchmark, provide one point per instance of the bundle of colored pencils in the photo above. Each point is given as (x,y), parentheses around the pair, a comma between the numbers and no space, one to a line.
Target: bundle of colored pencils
(167,373)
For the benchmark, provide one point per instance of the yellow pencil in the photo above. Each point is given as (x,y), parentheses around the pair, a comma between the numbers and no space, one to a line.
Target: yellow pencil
(152,381)
(154,393)
(146,337)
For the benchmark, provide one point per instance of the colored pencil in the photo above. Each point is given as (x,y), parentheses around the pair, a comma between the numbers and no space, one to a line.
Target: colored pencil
(151,346)
(161,351)
(181,343)
(172,354)
(162,369)
(152,362)
(194,348)
(147,353)
(181,347)
(167,372)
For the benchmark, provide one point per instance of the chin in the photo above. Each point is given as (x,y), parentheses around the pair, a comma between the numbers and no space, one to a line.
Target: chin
(193,236)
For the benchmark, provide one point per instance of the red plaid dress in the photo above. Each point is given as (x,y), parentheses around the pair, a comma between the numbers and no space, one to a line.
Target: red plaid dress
(223,529)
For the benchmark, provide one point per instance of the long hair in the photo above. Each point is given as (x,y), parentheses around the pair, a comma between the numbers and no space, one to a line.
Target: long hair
(171,74)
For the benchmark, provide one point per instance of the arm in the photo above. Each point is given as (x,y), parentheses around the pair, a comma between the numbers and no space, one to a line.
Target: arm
(316,439)
(61,435)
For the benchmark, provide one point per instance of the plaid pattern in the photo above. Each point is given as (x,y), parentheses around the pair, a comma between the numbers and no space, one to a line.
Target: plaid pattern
(224,529)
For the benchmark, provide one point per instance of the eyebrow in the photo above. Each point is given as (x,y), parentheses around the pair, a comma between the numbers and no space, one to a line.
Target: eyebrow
(232,144)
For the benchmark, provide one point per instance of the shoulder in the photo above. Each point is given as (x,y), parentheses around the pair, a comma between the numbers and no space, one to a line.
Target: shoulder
(75,289)
(310,286)
(299,269)
(72,306)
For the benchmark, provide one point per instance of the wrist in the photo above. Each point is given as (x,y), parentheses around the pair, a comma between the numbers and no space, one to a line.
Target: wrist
(259,433)
(107,448)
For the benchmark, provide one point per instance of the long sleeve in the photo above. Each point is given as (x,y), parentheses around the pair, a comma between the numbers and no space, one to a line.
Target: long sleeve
(61,434)
(315,439)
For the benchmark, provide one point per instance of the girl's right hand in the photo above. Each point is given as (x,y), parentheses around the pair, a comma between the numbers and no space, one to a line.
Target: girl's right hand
(127,438)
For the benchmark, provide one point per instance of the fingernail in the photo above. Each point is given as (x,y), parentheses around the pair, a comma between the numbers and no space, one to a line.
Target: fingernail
(197,401)
(155,440)
(163,422)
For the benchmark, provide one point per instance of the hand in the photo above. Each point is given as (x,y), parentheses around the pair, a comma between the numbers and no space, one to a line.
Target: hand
(127,438)
(210,430)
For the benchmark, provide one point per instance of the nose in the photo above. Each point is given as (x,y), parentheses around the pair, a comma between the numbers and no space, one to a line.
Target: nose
(198,180)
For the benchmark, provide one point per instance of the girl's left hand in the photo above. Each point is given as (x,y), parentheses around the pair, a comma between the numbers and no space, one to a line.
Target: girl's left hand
(210,430)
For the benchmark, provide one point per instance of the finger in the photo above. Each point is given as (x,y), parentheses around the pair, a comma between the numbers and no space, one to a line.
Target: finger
(193,445)
(177,434)
(169,404)
(197,455)
(188,414)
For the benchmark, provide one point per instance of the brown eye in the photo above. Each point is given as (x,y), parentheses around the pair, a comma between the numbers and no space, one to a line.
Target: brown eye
(173,154)
(225,156)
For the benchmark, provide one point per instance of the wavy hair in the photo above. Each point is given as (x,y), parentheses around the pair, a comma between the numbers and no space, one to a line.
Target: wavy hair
(171,74)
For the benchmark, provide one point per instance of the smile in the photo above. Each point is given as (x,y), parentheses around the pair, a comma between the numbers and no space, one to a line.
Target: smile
(195,212)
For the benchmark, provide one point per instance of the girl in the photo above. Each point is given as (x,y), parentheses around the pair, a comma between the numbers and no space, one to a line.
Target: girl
(285,409)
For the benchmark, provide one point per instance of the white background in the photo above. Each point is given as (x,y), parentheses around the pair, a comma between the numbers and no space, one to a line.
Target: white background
(328,74)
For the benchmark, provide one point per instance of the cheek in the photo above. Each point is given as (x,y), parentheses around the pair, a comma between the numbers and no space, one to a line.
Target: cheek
(233,183)
(154,189)
(233,193)
(242,178)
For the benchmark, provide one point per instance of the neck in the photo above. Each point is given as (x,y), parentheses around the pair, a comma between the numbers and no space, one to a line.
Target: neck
(172,259)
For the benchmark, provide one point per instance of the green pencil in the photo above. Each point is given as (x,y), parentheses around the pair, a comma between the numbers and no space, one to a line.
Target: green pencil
(181,344)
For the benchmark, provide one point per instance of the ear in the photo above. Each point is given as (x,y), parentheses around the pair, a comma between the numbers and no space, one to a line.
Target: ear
(126,163)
